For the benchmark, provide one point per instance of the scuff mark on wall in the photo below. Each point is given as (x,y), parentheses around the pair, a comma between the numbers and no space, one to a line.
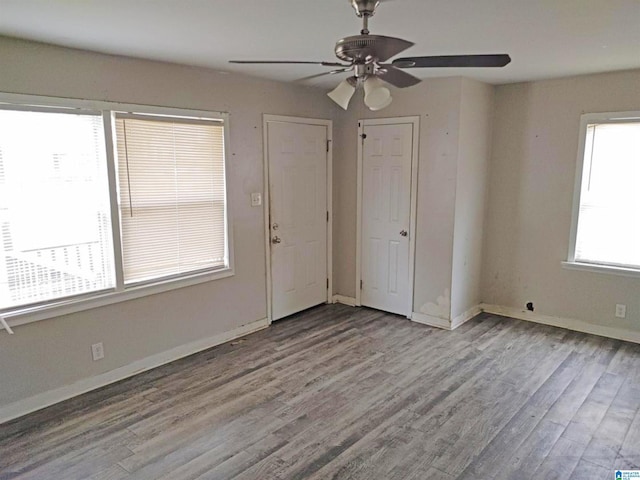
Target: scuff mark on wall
(440,309)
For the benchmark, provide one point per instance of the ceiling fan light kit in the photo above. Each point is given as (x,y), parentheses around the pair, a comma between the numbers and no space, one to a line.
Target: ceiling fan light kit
(381,105)
(342,93)
(365,55)
(376,95)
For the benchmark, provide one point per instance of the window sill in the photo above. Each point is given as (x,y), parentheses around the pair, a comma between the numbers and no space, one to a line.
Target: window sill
(608,269)
(55,309)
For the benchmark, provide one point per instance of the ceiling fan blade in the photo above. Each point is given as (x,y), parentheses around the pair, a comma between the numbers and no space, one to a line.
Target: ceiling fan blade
(498,60)
(396,77)
(387,47)
(271,62)
(332,72)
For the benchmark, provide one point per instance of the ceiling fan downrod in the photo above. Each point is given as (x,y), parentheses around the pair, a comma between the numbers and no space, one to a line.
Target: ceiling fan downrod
(365,9)
(365,25)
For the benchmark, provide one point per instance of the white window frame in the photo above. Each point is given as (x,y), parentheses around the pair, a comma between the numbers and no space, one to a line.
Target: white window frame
(571,263)
(55,308)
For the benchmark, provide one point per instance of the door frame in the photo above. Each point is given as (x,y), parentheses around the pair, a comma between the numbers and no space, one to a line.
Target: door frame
(266,118)
(415,122)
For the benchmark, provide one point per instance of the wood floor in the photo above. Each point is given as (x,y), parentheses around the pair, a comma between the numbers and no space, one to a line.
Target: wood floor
(344,393)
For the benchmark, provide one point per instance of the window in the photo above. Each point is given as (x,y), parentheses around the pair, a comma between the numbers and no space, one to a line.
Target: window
(53,245)
(606,229)
(98,206)
(172,209)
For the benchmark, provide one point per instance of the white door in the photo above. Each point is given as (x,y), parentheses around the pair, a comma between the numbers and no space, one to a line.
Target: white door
(386,213)
(297,155)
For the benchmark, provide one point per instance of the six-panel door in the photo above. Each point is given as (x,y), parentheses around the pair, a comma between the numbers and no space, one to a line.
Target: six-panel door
(298,210)
(386,197)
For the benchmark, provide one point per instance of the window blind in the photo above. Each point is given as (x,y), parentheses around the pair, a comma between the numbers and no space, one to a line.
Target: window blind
(55,227)
(609,216)
(172,196)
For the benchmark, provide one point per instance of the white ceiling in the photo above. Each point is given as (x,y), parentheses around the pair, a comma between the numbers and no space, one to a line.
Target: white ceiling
(545,38)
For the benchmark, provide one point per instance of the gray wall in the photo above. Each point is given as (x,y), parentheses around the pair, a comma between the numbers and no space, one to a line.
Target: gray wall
(533,166)
(476,120)
(56,352)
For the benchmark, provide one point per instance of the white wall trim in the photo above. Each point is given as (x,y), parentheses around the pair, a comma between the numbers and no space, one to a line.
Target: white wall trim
(350,301)
(466,316)
(413,211)
(360,153)
(67,103)
(266,205)
(46,399)
(607,269)
(430,320)
(67,306)
(266,118)
(586,120)
(433,321)
(567,323)
(520,314)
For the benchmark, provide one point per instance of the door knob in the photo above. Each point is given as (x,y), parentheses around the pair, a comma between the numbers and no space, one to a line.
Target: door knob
(403,233)
(276,239)
(274,226)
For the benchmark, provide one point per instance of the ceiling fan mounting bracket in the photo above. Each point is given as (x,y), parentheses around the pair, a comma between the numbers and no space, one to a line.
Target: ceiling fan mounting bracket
(365,8)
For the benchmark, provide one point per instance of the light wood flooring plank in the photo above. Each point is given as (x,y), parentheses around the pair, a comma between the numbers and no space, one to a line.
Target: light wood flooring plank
(588,417)
(586,469)
(492,460)
(561,461)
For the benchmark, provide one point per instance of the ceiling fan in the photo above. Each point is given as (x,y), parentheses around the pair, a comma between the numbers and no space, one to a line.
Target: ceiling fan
(366,56)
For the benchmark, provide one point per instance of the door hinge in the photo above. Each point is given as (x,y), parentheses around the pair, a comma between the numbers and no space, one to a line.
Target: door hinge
(327,216)
(360,284)
(327,283)
(328,142)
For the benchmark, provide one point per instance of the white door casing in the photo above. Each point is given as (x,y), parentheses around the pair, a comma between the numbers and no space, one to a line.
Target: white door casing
(298,214)
(386,224)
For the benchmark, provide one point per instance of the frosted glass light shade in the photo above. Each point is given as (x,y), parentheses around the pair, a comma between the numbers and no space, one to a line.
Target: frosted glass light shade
(342,93)
(382,105)
(376,95)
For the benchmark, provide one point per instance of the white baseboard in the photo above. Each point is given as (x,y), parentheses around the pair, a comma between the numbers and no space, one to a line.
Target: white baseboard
(344,300)
(466,316)
(568,323)
(433,321)
(430,320)
(46,399)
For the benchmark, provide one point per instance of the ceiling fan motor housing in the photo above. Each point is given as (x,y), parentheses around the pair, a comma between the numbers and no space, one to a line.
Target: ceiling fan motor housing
(358,48)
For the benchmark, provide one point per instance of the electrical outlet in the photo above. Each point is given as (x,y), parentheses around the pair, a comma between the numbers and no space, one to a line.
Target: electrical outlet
(256,199)
(621,310)
(97,351)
